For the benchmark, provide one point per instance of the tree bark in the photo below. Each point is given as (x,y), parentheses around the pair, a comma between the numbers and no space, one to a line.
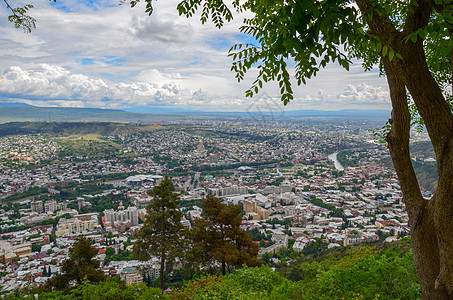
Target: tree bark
(438,213)
(161,271)
(430,220)
(424,242)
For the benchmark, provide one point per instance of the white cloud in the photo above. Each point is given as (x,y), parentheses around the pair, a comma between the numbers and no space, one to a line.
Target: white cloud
(53,85)
(114,56)
(165,28)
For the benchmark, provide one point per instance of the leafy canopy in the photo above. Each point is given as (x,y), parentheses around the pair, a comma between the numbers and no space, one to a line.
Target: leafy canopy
(309,34)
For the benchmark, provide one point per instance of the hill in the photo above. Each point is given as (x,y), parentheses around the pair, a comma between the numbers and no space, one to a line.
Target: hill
(18,112)
(60,114)
(425,169)
(68,128)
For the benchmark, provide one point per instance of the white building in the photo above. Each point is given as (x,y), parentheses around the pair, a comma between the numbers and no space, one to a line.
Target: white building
(122,216)
(73,226)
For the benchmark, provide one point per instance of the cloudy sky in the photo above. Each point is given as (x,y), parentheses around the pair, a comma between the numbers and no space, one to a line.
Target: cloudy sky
(102,54)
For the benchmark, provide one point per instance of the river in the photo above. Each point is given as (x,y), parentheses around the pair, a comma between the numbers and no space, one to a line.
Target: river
(333,157)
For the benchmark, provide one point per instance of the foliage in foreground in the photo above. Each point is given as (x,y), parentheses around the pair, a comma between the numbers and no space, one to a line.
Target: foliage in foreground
(246,283)
(113,288)
(359,273)
(363,273)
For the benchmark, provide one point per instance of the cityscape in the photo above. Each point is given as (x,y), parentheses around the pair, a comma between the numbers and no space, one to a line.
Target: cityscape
(326,182)
(197,149)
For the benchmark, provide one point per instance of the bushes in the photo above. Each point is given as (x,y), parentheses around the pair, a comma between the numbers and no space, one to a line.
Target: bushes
(382,272)
(246,283)
(113,288)
(363,273)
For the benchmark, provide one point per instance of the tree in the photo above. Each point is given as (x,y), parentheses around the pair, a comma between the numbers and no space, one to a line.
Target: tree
(79,266)
(412,43)
(110,251)
(217,237)
(161,234)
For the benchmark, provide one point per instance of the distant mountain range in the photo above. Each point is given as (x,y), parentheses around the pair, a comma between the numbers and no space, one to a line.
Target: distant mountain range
(14,104)
(13,112)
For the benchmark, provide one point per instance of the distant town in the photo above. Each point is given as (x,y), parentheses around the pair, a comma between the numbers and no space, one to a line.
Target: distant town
(327,182)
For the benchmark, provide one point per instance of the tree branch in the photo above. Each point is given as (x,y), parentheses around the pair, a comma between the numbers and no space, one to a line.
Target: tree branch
(429,99)
(398,137)
(417,16)
(10,8)
(379,22)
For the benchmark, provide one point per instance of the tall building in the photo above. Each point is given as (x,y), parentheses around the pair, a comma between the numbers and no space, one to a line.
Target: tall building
(227,191)
(50,206)
(67,227)
(36,206)
(252,209)
(127,216)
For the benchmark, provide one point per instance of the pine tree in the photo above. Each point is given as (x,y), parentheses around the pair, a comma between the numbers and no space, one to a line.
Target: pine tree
(218,238)
(49,272)
(79,266)
(162,229)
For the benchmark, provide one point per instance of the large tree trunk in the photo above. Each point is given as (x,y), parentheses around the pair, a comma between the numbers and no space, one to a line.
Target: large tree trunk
(431,220)
(433,230)
(424,240)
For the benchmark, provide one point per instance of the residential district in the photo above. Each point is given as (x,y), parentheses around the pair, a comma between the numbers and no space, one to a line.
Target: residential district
(297,183)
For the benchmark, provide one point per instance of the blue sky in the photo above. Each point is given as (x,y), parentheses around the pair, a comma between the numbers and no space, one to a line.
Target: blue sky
(102,54)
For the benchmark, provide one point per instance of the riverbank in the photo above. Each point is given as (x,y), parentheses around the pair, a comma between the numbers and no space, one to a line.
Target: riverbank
(333,157)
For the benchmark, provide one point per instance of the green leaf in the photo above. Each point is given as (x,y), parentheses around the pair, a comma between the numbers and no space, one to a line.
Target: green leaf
(384,50)
(391,54)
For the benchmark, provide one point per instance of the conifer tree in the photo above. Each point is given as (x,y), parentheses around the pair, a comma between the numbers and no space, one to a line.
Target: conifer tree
(79,266)
(217,237)
(161,234)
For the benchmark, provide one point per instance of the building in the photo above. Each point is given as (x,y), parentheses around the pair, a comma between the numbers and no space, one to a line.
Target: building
(8,251)
(50,206)
(352,239)
(254,211)
(131,275)
(227,191)
(36,206)
(141,179)
(81,203)
(67,227)
(200,147)
(128,216)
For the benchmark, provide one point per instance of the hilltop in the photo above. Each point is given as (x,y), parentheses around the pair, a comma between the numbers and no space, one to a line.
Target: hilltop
(18,112)
(71,128)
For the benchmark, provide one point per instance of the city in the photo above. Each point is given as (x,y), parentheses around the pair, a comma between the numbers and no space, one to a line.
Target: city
(297,183)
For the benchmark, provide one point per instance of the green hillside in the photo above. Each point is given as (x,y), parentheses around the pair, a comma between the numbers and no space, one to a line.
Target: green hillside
(426,171)
(364,272)
(71,128)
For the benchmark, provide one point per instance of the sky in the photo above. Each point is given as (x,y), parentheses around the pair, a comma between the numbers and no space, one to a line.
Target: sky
(106,55)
